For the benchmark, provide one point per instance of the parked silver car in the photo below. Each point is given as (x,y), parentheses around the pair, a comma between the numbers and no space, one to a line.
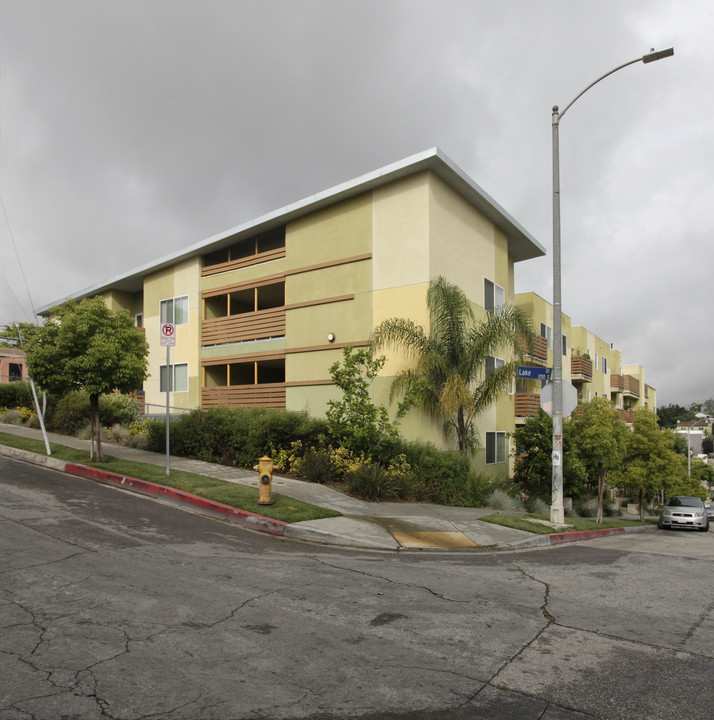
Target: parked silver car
(709,507)
(684,511)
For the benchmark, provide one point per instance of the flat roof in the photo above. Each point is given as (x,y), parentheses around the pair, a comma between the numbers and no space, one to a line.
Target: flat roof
(521,244)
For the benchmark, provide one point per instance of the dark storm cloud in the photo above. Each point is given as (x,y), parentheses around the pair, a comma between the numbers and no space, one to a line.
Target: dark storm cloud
(130,130)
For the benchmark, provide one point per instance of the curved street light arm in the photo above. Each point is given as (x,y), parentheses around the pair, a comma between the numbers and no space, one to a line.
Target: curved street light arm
(648,58)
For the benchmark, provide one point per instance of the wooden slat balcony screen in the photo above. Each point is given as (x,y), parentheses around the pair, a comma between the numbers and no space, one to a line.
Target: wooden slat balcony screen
(540,348)
(627,416)
(266,395)
(616,382)
(243,262)
(581,366)
(631,385)
(258,325)
(526,404)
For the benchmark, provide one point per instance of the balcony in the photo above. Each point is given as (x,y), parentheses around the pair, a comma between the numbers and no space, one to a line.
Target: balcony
(625,384)
(581,369)
(540,349)
(526,404)
(627,416)
(258,325)
(266,395)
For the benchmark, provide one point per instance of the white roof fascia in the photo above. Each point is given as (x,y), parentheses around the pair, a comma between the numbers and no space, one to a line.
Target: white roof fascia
(521,244)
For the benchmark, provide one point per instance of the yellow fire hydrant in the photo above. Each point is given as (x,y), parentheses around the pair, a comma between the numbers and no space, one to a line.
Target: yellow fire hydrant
(265,469)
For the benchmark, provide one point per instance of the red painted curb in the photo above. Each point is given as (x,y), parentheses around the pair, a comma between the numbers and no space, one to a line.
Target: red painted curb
(559,538)
(243,517)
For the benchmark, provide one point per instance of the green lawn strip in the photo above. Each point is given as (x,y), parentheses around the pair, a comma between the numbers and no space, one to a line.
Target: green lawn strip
(521,522)
(284,508)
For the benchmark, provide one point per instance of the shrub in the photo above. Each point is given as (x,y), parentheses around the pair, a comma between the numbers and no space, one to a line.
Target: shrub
(72,412)
(16,394)
(236,436)
(11,417)
(442,473)
(479,487)
(501,500)
(371,482)
(583,509)
(119,434)
(317,466)
(537,507)
(404,478)
(69,414)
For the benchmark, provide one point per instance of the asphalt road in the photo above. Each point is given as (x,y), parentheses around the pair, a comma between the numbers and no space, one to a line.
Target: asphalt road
(116,606)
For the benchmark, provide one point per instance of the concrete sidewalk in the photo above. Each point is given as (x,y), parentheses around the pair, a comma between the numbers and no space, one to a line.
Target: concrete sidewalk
(367,525)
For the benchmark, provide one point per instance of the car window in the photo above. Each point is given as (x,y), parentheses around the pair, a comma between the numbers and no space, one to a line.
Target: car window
(684,502)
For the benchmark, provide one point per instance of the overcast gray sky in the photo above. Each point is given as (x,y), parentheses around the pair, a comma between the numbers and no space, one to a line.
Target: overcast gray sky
(129,130)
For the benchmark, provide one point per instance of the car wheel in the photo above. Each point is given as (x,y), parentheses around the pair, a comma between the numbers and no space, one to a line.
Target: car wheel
(661,527)
(705,528)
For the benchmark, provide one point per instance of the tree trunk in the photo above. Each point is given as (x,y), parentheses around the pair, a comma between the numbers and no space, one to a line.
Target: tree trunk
(642,505)
(92,433)
(96,427)
(601,475)
(461,431)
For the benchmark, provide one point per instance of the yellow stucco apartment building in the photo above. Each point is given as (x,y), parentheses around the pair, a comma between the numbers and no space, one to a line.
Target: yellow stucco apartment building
(263,310)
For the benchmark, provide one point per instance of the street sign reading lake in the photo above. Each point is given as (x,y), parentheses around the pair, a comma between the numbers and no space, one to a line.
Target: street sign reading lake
(534,373)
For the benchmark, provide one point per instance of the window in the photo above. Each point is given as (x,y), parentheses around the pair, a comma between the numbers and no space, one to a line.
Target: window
(596,360)
(139,320)
(547,333)
(179,378)
(174,310)
(494,297)
(565,346)
(604,365)
(491,364)
(14,372)
(496,448)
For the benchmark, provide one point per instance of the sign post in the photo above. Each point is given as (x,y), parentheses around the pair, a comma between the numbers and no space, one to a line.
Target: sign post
(168,340)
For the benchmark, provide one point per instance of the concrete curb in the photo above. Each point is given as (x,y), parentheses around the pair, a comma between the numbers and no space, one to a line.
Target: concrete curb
(143,487)
(261,523)
(562,538)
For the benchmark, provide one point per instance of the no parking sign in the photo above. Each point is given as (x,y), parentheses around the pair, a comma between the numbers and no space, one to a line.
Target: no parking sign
(168,335)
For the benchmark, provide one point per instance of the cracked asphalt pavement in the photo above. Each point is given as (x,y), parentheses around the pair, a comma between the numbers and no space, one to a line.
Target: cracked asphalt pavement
(117,606)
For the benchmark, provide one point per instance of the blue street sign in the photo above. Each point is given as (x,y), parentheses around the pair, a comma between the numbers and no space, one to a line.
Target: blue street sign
(534,373)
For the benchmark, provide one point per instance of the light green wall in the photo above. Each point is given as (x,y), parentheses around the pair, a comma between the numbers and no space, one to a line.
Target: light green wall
(339,231)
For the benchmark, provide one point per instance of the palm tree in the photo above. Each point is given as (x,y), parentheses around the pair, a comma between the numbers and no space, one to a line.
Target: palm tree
(450,380)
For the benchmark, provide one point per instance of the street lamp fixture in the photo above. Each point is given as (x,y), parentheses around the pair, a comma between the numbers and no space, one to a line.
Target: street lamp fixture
(557,510)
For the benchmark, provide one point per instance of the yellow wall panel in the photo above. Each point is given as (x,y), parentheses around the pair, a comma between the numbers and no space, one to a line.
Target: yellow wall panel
(401,233)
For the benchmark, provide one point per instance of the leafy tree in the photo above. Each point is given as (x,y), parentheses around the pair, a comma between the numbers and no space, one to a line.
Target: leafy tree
(667,415)
(534,468)
(701,471)
(708,407)
(16,334)
(599,440)
(355,420)
(681,447)
(650,462)
(87,347)
(449,380)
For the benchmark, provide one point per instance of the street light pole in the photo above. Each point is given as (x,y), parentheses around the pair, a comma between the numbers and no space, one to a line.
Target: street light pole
(557,510)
